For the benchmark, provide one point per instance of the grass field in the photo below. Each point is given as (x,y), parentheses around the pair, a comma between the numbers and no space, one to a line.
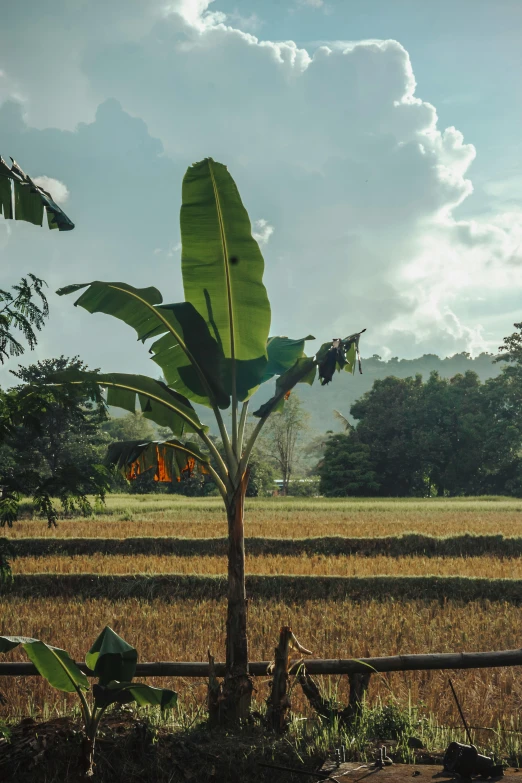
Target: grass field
(183,630)
(160,515)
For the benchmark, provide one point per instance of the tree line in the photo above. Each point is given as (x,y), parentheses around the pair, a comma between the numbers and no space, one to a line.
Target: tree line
(411,438)
(443,437)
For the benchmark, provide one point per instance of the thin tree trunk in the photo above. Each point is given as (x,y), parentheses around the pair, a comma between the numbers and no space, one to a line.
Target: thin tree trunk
(237,686)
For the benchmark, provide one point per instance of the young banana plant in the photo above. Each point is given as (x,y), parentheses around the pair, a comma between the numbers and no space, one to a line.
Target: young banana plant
(110,659)
(213,349)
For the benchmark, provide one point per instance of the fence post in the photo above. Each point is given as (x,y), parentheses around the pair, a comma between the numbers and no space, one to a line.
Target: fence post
(214,693)
(358,686)
(278,703)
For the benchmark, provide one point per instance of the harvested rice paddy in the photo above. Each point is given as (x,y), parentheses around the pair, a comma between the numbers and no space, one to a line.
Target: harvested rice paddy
(185,629)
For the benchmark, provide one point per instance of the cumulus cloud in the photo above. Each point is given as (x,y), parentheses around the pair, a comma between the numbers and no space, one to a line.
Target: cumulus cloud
(195,13)
(262,231)
(331,143)
(57,189)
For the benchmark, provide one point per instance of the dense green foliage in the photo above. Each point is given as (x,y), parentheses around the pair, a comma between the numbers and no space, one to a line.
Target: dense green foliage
(52,444)
(457,436)
(346,468)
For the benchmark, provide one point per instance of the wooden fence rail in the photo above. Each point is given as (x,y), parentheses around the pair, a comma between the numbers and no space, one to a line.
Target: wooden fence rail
(350,666)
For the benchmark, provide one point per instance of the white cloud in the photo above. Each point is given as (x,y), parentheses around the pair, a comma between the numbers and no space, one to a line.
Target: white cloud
(311,3)
(57,189)
(331,143)
(262,231)
(195,13)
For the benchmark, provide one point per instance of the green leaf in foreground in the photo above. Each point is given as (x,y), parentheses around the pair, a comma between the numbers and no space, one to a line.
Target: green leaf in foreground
(222,266)
(189,357)
(111,658)
(146,695)
(54,664)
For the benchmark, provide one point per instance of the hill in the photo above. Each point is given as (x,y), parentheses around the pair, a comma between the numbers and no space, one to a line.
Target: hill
(343,392)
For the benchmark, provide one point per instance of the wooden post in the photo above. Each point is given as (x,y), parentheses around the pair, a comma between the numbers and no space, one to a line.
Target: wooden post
(358,686)
(322,706)
(395,663)
(278,703)
(214,694)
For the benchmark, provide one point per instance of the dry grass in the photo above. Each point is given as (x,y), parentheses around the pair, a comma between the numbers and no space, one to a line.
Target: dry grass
(306,565)
(160,515)
(183,631)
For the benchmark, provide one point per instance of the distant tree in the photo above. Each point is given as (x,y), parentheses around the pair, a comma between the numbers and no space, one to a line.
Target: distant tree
(53,445)
(453,436)
(132,426)
(261,480)
(281,436)
(452,422)
(511,348)
(347,468)
(386,424)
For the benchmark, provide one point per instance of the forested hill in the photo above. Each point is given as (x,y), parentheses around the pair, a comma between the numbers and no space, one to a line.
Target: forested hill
(344,390)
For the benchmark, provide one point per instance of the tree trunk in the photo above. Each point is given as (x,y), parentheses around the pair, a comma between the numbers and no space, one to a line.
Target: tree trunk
(237,686)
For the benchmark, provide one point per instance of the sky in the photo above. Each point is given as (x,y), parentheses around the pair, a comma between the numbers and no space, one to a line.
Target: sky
(376,146)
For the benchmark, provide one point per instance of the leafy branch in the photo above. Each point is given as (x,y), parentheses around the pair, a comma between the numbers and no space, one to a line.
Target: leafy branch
(19,311)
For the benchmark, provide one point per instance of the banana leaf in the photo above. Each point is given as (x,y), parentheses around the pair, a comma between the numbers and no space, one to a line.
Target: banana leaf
(22,199)
(303,371)
(146,695)
(184,345)
(282,354)
(222,269)
(164,406)
(338,355)
(169,459)
(54,664)
(111,658)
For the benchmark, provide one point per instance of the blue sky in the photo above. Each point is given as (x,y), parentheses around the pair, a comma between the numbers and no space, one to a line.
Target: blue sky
(376,145)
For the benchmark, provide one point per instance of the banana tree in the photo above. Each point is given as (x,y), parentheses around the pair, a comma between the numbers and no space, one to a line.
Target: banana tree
(22,199)
(110,659)
(213,349)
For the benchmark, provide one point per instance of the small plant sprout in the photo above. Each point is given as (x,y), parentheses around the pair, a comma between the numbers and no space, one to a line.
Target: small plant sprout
(112,661)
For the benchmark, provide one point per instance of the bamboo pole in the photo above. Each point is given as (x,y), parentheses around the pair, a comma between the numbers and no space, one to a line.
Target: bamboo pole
(395,663)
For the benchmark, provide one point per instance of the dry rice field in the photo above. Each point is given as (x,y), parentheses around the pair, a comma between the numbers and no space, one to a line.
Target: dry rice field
(160,515)
(184,630)
(304,565)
